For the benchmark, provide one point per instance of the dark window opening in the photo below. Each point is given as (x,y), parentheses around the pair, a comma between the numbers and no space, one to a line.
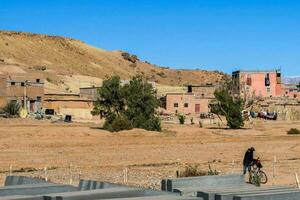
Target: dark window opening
(22,84)
(175,105)
(38,80)
(12,83)
(186,105)
(190,88)
(267,80)
(249,81)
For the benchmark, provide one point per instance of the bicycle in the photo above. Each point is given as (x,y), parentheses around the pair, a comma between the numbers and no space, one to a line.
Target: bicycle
(258,176)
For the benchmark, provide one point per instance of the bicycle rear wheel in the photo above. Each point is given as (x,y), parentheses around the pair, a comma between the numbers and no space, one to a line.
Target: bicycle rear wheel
(263,177)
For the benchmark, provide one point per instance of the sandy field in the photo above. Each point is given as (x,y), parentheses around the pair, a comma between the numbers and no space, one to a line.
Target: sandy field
(81,150)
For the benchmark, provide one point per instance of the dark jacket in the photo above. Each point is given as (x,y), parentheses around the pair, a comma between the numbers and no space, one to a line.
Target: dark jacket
(248,158)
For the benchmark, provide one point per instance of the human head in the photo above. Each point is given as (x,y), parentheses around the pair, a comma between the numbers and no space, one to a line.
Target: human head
(251,149)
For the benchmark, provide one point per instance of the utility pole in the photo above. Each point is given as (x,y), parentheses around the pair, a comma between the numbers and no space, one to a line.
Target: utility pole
(25,98)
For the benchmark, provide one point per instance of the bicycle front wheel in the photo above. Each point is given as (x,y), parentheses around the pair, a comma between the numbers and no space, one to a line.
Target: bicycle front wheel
(263,177)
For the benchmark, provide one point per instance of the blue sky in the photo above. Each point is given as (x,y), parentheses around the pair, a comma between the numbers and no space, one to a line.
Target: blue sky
(220,35)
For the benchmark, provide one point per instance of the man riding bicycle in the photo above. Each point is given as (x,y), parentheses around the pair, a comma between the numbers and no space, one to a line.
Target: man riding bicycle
(248,160)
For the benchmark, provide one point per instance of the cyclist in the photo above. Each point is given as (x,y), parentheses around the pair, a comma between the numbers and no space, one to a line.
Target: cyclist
(247,162)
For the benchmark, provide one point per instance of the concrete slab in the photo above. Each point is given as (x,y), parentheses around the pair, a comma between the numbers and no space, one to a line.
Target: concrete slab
(22,197)
(35,189)
(92,185)
(164,197)
(232,179)
(275,196)
(230,195)
(21,180)
(192,191)
(105,194)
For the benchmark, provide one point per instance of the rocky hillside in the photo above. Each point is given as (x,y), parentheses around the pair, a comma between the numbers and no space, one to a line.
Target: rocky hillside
(57,56)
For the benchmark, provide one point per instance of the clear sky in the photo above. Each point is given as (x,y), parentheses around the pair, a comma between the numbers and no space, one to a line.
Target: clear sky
(208,34)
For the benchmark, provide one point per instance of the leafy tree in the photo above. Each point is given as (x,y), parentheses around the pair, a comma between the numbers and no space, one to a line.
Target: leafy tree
(111,100)
(130,106)
(141,104)
(229,106)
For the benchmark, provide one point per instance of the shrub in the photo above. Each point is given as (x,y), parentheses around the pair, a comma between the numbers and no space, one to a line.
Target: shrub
(201,123)
(40,68)
(293,131)
(192,121)
(129,57)
(121,123)
(12,109)
(181,119)
(193,170)
(161,74)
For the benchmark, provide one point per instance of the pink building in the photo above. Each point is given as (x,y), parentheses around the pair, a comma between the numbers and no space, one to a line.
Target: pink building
(258,83)
(186,103)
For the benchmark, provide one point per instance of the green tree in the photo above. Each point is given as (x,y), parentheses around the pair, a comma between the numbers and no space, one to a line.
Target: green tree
(130,106)
(229,106)
(141,103)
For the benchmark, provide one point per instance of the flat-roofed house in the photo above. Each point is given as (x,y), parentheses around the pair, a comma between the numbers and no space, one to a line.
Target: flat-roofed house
(266,83)
(20,88)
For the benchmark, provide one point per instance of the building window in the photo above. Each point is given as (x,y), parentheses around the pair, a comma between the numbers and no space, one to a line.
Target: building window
(186,105)
(249,81)
(38,80)
(175,105)
(39,99)
(267,80)
(12,83)
(22,84)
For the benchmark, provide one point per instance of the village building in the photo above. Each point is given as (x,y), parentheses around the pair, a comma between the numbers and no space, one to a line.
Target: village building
(70,104)
(265,83)
(196,100)
(186,103)
(89,93)
(291,90)
(26,89)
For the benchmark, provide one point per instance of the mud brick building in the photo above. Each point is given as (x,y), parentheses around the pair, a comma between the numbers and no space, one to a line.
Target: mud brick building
(20,88)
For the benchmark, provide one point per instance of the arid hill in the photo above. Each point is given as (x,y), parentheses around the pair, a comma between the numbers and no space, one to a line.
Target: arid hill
(58,57)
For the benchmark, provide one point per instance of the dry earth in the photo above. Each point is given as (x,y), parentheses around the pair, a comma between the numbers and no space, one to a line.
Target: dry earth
(149,156)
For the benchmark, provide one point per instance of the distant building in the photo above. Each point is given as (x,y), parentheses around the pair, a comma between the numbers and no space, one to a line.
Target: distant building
(20,88)
(257,83)
(291,90)
(195,101)
(70,104)
(187,103)
(89,93)
(204,90)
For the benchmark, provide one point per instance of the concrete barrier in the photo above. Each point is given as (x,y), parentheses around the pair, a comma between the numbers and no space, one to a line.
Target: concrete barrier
(92,185)
(22,197)
(21,180)
(164,197)
(163,185)
(289,195)
(213,195)
(35,189)
(104,194)
(204,181)
(192,191)
(230,195)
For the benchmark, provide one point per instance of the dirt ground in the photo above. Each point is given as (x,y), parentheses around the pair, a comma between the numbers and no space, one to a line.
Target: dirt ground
(81,150)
